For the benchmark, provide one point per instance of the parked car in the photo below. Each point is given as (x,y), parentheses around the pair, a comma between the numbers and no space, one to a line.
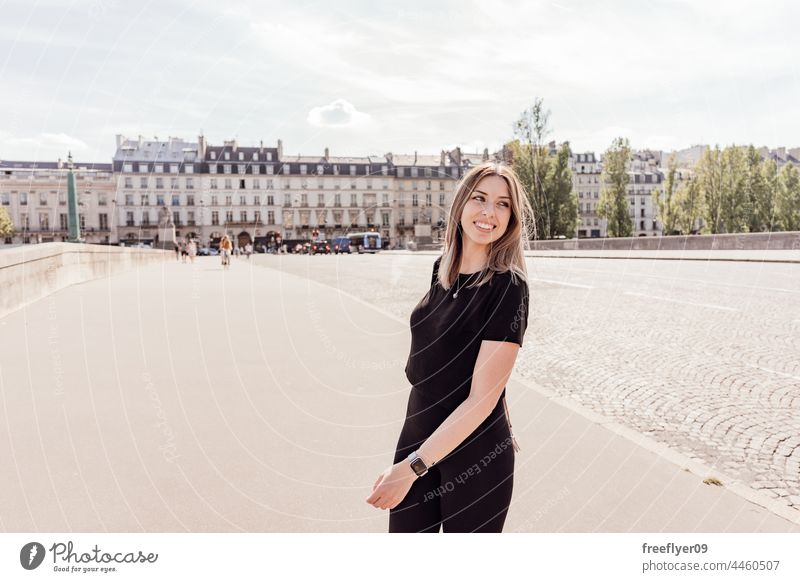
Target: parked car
(207,252)
(320,247)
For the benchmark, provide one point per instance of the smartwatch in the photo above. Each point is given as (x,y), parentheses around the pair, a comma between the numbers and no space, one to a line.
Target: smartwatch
(419,466)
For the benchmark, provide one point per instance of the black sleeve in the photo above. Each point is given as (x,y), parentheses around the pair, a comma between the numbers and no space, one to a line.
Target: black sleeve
(435,274)
(507,312)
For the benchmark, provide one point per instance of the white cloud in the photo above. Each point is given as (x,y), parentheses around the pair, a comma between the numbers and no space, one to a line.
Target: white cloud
(338,113)
(40,146)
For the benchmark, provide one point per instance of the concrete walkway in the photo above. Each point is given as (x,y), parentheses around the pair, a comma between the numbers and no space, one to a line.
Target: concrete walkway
(180,397)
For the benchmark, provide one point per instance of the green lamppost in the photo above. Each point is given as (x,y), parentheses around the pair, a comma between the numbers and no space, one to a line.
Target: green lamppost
(72,204)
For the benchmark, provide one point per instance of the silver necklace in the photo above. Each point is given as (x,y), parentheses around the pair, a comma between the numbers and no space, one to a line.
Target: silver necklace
(458,284)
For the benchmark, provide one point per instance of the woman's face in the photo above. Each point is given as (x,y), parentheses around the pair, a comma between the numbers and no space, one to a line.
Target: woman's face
(487,211)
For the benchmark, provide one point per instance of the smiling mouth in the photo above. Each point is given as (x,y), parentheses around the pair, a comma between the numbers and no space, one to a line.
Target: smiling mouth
(487,228)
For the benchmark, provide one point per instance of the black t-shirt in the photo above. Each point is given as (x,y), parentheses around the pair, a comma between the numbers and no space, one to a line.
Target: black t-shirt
(446,332)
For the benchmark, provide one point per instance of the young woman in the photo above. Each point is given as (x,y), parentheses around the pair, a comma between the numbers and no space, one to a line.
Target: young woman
(454,463)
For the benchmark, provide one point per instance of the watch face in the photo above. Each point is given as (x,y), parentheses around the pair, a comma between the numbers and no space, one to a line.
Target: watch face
(419,466)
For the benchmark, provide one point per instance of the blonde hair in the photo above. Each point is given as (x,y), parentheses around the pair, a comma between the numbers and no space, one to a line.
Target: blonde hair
(506,254)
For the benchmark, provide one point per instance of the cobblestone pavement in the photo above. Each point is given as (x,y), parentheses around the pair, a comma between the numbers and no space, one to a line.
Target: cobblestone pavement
(701,356)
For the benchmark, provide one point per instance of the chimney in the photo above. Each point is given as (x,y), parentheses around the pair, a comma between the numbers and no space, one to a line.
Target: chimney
(327,154)
(442,158)
(201,146)
(485,156)
(120,140)
(415,157)
(280,149)
(261,145)
(388,157)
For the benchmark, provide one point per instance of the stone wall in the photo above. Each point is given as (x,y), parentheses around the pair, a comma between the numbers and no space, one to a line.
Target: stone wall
(740,242)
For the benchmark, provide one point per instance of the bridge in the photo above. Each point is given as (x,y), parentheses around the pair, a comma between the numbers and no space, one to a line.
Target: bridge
(140,393)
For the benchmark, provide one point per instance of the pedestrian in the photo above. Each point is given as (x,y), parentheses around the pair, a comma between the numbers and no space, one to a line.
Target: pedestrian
(225,246)
(454,461)
(248,250)
(192,250)
(177,250)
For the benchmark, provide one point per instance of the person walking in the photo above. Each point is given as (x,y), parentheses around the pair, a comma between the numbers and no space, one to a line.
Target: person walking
(453,466)
(225,246)
(192,249)
(248,250)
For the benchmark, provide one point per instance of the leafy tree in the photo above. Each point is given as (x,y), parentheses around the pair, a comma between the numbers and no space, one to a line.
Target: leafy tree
(788,198)
(766,201)
(667,201)
(546,176)
(6,227)
(691,206)
(614,204)
(709,180)
(734,204)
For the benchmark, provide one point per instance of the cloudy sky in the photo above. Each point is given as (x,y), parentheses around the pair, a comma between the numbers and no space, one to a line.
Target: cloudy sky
(368,78)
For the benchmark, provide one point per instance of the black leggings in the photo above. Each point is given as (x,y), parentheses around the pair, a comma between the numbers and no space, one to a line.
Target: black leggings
(467,491)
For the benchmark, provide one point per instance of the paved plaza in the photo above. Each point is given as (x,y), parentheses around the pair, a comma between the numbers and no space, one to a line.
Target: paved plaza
(178,397)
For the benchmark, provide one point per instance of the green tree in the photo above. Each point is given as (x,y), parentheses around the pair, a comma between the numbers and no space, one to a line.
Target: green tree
(709,181)
(530,160)
(6,227)
(788,198)
(544,174)
(666,201)
(562,200)
(614,205)
(734,211)
(691,206)
(766,201)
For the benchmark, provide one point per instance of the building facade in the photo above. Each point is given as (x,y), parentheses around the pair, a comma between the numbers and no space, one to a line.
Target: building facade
(35,196)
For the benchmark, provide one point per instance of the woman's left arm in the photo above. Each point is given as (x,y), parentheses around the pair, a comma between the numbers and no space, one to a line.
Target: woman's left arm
(492,370)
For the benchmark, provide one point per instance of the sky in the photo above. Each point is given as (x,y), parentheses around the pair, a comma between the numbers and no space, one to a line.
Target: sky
(367,78)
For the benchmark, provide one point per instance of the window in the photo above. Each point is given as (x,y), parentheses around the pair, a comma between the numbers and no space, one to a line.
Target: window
(42,198)
(158,168)
(287,199)
(62,220)
(159,200)
(176,200)
(353,199)
(128,199)
(214,217)
(227,183)
(213,184)
(214,201)
(303,169)
(320,169)
(188,169)
(145,200)
(228,200)
(385,170)
(228,216)
(190,200)
(385,199)
(352,170)
(227,155)
(270,200)
(256,184)
(337,199)
(213,155)
(642,212)
(241,155)
(242,200)
(257,200)
(146,219)
(174,169)
(176,218)
(127,167)
(243,215)
(304,199)
(128,182)
(441,199)
(241,184)
(256,169)
(270,217)
(142,168)
(212,168)
(173,183)
(270,170)
(143,183)
(428,199)
(159,183)
(5,198)
(255,156)
(257,217)
(128,220)
(269,156)
(24,220)
(226,168)
(190,183)
(241,169)
(415,199)
(44,221)
(320,199)
(190,218)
